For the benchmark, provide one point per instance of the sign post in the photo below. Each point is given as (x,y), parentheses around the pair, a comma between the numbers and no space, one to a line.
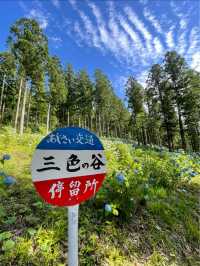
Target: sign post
(73,235)
(68,167)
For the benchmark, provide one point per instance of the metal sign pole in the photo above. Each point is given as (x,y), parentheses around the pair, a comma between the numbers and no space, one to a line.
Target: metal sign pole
(73,235)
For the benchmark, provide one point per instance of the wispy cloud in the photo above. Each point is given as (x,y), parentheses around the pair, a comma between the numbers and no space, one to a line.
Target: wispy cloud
(195,64)
(194,40)
(149,16)
(158,46)
(137,42)
(130,38)
(56,3)
(90,30)
(142,77)
(139,26)
(73,3)
(39,16)
(57,41)
(183,23)
(170,38)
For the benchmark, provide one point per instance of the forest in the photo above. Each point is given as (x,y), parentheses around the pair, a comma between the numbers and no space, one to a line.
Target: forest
(39,93)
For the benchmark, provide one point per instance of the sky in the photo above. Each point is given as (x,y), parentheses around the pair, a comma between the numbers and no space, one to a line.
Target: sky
(121,37)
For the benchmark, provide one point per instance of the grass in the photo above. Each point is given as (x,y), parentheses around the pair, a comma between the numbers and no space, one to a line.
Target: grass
(157,219)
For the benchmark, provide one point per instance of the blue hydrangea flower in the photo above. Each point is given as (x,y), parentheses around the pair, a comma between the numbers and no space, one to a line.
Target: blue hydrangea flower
(2,173)
(108,207)
(9,180)
(6,157)
(193,174)
(120,178)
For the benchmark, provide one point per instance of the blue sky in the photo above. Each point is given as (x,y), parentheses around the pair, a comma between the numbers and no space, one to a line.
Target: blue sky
(120,37)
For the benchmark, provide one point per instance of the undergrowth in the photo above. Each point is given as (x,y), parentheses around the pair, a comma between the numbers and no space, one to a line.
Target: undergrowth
(146,212)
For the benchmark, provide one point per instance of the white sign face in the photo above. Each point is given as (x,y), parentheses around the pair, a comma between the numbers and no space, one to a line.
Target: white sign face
(60,164)
(67,173)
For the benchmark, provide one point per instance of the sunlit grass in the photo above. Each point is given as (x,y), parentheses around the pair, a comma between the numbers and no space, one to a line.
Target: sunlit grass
(157,211)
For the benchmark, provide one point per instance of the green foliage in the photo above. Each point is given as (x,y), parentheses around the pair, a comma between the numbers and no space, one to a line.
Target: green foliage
(154,210)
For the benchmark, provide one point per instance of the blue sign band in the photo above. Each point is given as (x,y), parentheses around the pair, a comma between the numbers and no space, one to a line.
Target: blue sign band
(70,138)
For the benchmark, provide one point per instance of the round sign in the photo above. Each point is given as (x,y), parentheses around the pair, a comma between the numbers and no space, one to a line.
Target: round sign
(68,166)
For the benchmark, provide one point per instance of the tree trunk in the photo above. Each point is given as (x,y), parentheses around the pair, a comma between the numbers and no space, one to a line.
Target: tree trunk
(68,118)
(182,133)
(79,121)
(115,131)
(48,117)
(2,113)
(91,126)
(99,125)
(18,103)
(23,111)
(96,123)
(2,92)
(29,107)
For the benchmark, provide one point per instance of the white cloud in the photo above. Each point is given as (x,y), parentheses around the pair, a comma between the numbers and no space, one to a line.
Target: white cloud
(158,46)
(80,35)
(90,30)
(183,23)
(143,2)
(194,41)
(182,43)
(142,77)
(113,39)
(195,64)
(39,16)
(140,27)
(57,41)
(137,42)
(153,20)
(170,38)
(56,3)
(73,3)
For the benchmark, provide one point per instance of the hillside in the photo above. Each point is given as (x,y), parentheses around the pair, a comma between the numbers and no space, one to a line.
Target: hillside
(146,213)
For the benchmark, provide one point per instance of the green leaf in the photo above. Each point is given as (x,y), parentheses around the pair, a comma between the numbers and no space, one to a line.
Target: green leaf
(115,212)
(8,244)
(2,212)
(31,231)
(5,235)
(11,220)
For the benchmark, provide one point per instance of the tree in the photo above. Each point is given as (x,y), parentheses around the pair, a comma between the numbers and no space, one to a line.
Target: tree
(84,98)
(29,46)
(57,90)
(191,108)
(7,82)
(71,102)
(135,95)
(175,68)
(158,89)
(102,100)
